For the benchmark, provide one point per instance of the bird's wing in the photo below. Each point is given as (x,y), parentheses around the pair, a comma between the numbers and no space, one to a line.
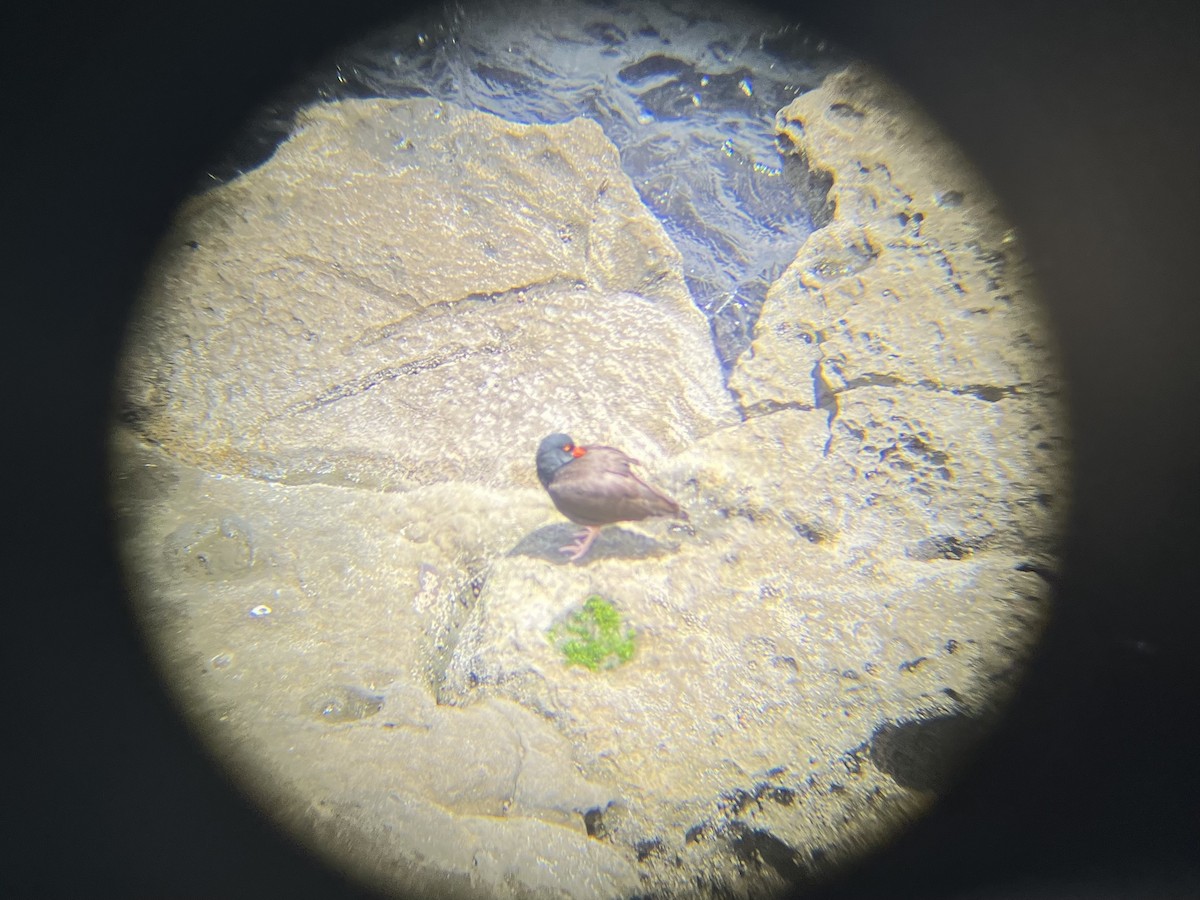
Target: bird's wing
(599,488)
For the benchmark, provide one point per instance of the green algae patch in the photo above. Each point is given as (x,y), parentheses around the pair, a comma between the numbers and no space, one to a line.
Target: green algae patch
(594,636)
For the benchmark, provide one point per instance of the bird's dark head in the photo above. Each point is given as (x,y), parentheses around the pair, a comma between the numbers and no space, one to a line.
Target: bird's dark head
(554,452)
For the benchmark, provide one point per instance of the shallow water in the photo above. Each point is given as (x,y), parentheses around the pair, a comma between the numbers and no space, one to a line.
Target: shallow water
(688,95)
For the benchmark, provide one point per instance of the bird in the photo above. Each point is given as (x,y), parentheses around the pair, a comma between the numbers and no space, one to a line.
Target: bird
(594,487)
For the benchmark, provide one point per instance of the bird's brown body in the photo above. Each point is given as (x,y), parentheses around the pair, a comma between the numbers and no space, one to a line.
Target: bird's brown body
(595,486)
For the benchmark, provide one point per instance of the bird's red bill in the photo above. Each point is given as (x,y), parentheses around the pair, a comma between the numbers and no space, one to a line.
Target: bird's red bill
(577,451)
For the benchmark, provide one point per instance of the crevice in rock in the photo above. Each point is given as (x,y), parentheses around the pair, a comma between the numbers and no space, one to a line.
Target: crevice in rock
(989,393)
(947,546)
(824,398)
(846,111)
(873,379)
(812,187)
(939,256)
(516,294)
(812,184)
(419,320)
(445,627)
(412,367)
(1043,572)
(767,407)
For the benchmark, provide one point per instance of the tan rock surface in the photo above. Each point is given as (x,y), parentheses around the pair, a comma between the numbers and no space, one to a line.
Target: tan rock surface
(348,569)
(918,280)
(407,268)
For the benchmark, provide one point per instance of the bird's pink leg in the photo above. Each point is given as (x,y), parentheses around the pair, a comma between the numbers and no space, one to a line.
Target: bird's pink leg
(581,544)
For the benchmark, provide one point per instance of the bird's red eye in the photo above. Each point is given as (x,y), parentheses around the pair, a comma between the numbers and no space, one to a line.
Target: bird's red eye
(567,448)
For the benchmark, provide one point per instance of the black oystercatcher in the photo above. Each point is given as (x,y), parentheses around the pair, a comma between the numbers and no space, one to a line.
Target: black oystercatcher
(593,487)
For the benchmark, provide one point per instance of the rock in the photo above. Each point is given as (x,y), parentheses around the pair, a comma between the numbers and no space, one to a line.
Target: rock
(330,410)
(902,287)
(865,525)
(917,464)
(409,292)
(756,649)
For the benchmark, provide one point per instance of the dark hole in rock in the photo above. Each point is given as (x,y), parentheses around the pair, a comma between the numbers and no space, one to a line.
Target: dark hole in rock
(924,754)
(645,848)
(593,821)
(738,800)
(605,33)
(505,79)
(845,111)
(946,546)
(989,392)
(656,66)
(923,449)
(950,199)
(476,586)
(1045,573)
(852,759)
(781,795)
